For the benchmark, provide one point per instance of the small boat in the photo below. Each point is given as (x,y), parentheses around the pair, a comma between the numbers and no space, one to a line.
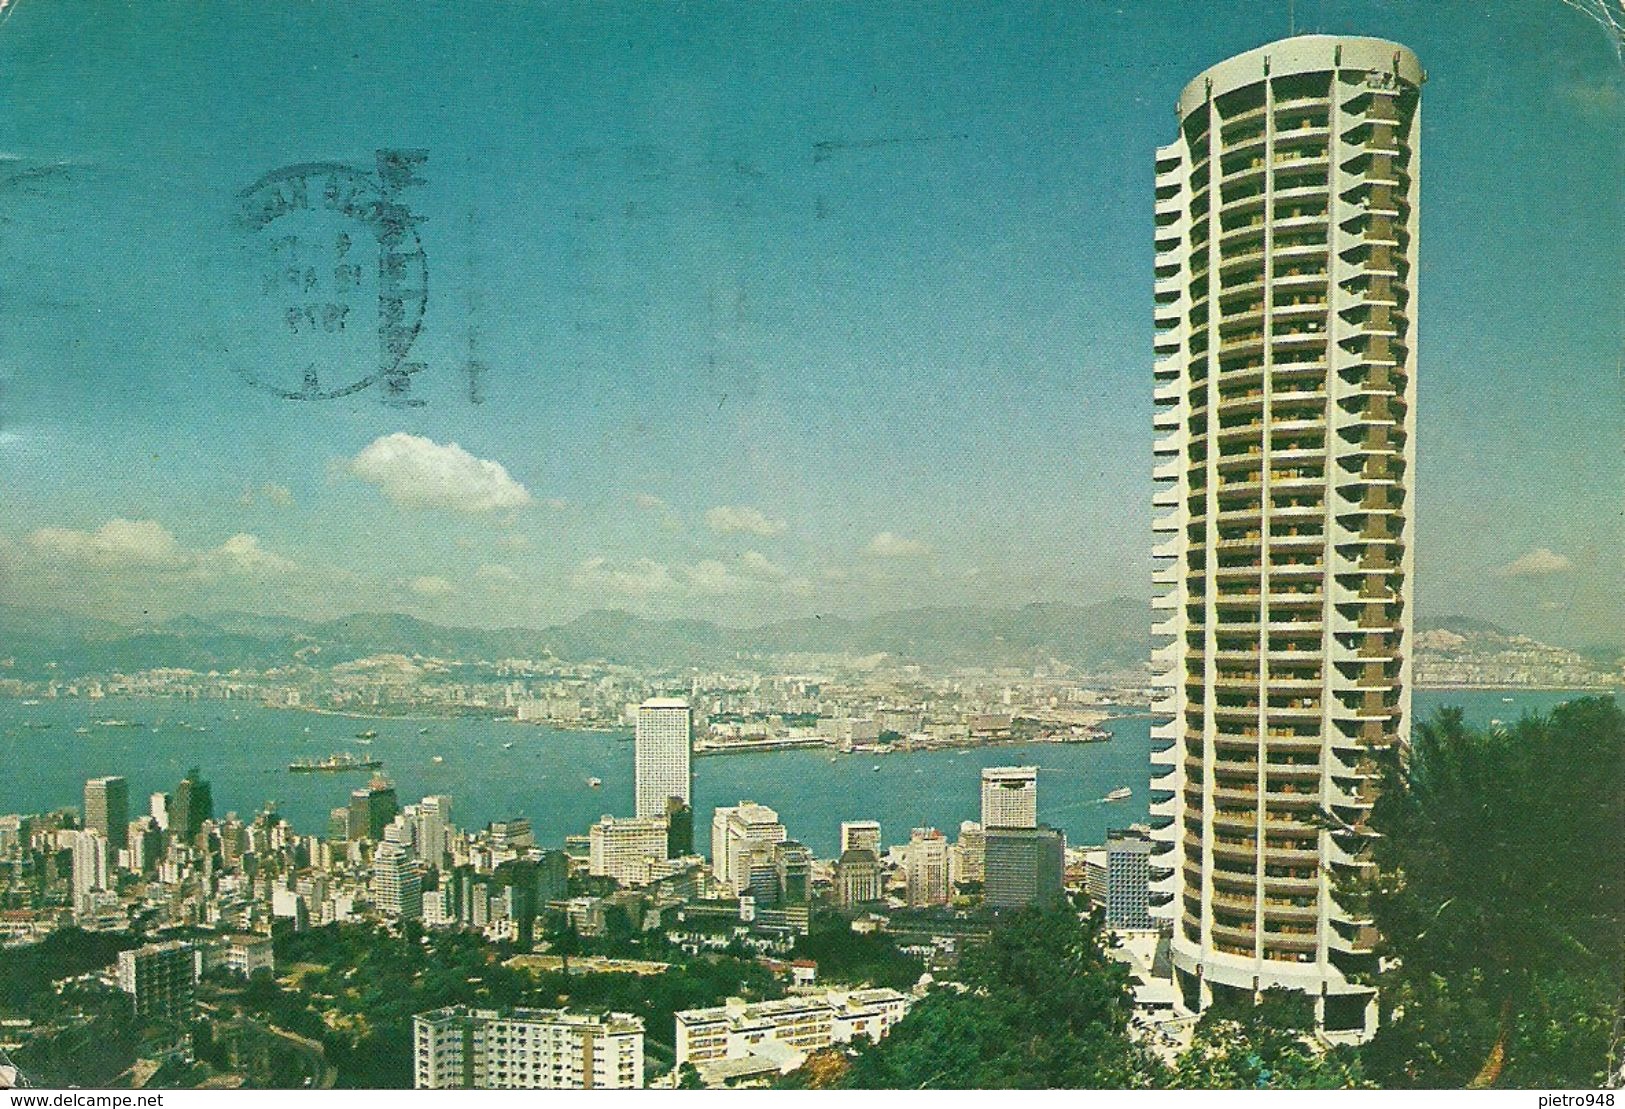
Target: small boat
(507,745)
(594,783)
(81,731)
(365,742)
(423,731)
(1506,700)
(1119,793)
(438,758)
(32,701)
(875,768)
(368,734)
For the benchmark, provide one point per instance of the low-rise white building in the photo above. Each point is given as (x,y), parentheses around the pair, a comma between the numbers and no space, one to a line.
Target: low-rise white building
(736,1030)
(459,1048)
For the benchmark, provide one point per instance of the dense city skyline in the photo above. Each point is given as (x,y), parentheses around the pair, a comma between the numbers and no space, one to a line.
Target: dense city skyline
(767,332)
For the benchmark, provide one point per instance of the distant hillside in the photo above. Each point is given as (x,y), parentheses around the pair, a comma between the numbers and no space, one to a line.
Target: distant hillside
(35,643)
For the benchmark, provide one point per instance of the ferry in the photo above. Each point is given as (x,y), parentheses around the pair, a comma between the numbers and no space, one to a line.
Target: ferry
(333,764)
(1119,793)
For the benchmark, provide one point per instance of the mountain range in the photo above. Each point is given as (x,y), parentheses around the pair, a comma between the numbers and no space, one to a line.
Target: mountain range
(1107,635)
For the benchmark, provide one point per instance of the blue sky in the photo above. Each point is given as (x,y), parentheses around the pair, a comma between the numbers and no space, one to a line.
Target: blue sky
(784,309)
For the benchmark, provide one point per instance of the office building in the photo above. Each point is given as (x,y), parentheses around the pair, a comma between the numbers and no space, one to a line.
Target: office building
(146,844)
(434,830)
(372,808)
(663,743)
(191,807)
(861,834)
(1024,867)
(161,979)
(459,1048)
(1128,854)
(925,868)
(857,877)
(90,870)
(679,828)
(792,872)
(967,857)
(1010,797)
(397,881)
(107,811)
(622,848)
(1285,389)
(738,832)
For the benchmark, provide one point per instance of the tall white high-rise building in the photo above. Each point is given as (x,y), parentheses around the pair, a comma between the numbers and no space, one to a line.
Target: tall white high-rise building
(1286,259)
(664,740)
(397,880)
(1010,797)
(434,828)
(89,869)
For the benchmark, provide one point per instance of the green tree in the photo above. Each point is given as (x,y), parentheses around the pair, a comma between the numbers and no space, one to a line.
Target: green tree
(1500,900)
(1270,1045)
(1043,1007)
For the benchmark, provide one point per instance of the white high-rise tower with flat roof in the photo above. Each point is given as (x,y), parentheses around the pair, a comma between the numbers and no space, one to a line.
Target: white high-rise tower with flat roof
(664,742)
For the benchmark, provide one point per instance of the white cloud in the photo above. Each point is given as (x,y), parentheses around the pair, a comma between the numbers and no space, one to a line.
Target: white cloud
(710,577)
(415,472)
(648,501)
(757,565)
(1537,563)
(639,578)
(514,543)
(731,519)
(890,545)
(242,552)
(147,547)
(118,542)
(430,586)
(493,573)
(278,496)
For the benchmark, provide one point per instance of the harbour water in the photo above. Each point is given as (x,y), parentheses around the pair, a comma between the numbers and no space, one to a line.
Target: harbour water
(244,750)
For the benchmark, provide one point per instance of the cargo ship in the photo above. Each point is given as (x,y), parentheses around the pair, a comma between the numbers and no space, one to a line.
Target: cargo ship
(333,764)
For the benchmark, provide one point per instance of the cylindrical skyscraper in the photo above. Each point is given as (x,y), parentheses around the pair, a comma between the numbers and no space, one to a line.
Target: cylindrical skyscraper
(1285,393)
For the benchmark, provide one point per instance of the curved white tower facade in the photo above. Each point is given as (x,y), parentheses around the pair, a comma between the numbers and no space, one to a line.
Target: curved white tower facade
(1285,395)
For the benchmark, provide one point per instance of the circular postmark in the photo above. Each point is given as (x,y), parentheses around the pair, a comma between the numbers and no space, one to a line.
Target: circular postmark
(338,270)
